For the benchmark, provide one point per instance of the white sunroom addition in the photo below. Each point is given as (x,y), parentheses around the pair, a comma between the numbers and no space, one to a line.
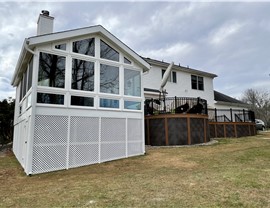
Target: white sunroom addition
(79,100)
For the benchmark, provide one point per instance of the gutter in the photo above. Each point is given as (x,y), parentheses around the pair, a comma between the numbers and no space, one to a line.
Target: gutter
(25,44)
(25,49)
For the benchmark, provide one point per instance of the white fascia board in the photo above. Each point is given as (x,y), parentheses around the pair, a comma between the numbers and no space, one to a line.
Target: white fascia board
(181,68)
(34,41)
(18,65)
(232,104)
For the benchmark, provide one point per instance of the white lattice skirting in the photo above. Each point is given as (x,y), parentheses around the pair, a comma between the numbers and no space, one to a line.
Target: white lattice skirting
(62,142)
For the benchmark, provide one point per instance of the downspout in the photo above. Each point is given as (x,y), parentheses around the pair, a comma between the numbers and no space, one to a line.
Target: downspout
(30,145)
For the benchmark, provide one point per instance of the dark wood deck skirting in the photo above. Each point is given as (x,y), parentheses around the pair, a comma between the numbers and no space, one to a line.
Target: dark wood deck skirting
(176,129)
(231,129)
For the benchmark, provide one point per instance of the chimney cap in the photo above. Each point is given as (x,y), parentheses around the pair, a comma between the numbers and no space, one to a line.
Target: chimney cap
(45,12)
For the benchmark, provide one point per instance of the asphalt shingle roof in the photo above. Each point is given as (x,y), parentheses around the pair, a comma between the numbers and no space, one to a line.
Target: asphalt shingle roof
(218,96)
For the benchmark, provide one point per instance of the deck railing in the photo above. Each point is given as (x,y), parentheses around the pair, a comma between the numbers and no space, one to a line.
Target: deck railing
(174,105)
(231,115)
(171,105)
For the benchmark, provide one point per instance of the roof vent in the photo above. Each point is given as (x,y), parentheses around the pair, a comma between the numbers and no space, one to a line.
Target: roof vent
(45,12)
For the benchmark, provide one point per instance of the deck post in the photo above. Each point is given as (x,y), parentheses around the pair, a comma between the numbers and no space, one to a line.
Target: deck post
(215,114)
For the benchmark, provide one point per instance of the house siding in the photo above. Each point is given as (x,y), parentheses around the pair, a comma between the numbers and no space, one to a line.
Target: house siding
(182,88)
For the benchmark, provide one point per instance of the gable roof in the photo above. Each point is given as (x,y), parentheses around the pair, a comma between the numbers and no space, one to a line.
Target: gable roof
(221,98)
(31,42)
(178,67)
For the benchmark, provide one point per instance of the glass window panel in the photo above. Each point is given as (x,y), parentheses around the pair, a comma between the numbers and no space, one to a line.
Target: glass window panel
(133,105)
(82,101)
(82,75)
(51,70)
(126,61)
(107,52)
(61,47)
(50,98)
(109,79)
(132,82)
(174,77)
(108,103)
(194,82)
(200,83)
(30,74)
(162,73)
(85,47)
(24,83)
(21,90)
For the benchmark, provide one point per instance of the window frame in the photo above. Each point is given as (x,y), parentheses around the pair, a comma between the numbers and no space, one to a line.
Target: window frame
(94,76)
(141,87)
(82,106)
(80,54)
(128,109)
(112,99)
(65,72)
(119,79)
(51,104)
(195,82)
(119,54)
(96,94)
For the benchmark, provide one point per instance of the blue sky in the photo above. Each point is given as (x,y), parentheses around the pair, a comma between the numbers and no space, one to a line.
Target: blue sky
(230,39)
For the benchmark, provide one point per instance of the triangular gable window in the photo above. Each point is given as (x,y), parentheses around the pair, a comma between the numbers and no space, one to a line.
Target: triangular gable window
(126,61)
(107,52)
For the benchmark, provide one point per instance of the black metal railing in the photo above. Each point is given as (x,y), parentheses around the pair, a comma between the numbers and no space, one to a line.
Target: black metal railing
(175,105)
(231,115)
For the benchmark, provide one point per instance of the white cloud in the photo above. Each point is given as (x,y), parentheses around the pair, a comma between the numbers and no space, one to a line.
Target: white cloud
(225,32)
(110,23)
(170,53)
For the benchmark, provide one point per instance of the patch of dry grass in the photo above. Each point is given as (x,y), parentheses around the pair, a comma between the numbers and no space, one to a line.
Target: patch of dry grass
(232,173)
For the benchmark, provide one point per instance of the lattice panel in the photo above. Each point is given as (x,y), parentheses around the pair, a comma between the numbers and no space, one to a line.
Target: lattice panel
(50,143)
(242,130)
(113,130)
(220,130)
(177,131)
(83,154)
(134,130)
(84,129)
(50,129)
(196,130)
(111,151)
(49,158)
(229,130)
(157,132)
(212,131)
(135,148)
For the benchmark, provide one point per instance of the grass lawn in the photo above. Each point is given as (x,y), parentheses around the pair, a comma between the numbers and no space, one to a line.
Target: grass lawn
(231,173)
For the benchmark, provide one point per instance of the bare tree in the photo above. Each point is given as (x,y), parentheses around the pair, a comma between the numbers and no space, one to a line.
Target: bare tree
(259,101)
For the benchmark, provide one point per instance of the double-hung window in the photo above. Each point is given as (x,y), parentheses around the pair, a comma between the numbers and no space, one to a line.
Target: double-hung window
(197,82)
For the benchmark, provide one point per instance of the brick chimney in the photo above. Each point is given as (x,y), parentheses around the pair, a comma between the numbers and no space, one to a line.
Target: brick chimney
(44,23)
